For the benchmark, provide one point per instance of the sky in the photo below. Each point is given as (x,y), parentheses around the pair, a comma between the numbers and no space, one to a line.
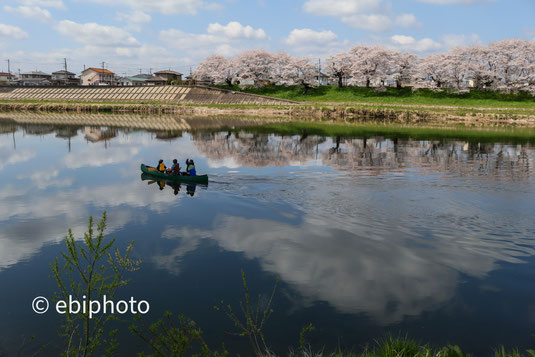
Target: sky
(133,36)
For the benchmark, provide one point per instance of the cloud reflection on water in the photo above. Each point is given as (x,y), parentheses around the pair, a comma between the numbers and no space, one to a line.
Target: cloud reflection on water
(389,231)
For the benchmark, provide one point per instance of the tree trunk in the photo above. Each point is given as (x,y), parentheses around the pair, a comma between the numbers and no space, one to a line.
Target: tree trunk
(368,83)
(340,82)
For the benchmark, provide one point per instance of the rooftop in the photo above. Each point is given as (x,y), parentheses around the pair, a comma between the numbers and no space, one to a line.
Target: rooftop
(98,70)
(37,73)
(168,72)
(157,79)
(64,72)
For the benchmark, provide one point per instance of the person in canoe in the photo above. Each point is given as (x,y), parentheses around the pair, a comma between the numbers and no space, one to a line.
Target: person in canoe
(175,168)
(190,168)
(161,166)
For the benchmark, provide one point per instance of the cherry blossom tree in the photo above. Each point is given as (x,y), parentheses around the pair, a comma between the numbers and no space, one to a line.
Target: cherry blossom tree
(403,68)
(339,67)
(217,69)
(255,65)
(369,64)
(507,65)
(295,71)
(432,71)
(515,63)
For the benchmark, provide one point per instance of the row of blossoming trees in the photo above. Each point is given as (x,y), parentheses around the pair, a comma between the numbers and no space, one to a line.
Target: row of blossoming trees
(508,65)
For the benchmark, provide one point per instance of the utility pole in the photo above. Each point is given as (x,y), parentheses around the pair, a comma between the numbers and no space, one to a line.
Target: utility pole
(319,71)
(8,71)
(103,63)
(150,70)
(65,61)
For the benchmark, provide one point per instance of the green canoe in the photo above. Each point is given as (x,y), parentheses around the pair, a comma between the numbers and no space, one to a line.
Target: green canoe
(203,179)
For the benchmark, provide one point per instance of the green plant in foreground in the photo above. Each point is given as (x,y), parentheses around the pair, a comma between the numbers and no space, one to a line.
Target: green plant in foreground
(90,269)
(254,318)
(168,338)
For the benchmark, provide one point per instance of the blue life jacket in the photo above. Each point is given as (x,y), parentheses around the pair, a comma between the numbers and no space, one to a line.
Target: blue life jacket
(191,170)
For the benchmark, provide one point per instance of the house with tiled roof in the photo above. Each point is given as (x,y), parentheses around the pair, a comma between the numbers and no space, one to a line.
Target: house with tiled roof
(64,78)
(97,77)
(35,78)
(157,81)
(168,74)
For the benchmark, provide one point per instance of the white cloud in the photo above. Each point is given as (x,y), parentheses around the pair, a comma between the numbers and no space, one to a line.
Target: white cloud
(236,30)
(95,34)
(307,36)
(341,7)
(407,20)
(167,7)
(409,43)
(314,44)
(452,40)
(31,12)
(371,15)
(134,19)
(136,16)
(370,22)
(449,2)
(197,45)
(225,40)
(8,31)
(57,4)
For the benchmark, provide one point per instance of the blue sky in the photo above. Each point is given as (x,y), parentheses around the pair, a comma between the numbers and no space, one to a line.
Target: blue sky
(134,35)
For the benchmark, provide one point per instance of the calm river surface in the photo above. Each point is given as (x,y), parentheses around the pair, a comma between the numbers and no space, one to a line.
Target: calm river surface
(369,236)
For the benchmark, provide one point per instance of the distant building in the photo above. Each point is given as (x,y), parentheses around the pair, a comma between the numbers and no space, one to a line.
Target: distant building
(35,78)
(131,81)
(157,81)
(124,81)
(322,79)
(35,74)
(175,76)
(6,77)
(97,77)
(64,78)
(143,76)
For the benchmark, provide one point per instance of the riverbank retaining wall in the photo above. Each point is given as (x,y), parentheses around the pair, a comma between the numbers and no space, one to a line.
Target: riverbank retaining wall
(169,94)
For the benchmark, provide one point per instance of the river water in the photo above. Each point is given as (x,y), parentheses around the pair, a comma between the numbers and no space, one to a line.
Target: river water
(431,239)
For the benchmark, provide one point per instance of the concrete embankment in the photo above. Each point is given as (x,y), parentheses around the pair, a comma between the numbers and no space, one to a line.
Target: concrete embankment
(137,94)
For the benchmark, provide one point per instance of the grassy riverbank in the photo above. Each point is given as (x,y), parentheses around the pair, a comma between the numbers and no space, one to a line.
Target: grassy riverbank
(404,347)
(404,96)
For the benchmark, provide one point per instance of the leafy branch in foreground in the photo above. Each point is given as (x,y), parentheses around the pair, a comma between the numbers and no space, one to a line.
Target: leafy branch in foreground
(89,270)
(254,318)
(169,338)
